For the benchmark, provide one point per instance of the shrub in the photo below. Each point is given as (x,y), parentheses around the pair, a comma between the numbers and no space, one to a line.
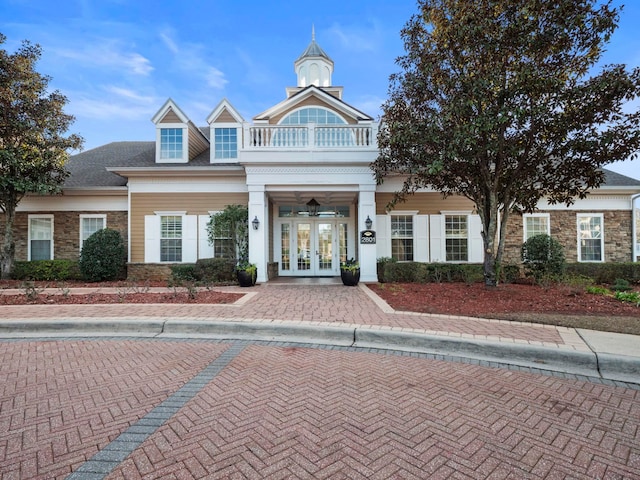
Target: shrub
(509,273)
(621,285)
(631,297)
(46,270)
(184,272)
(215,270)
(381,264)
(103,256)
(543,258)
(607,273)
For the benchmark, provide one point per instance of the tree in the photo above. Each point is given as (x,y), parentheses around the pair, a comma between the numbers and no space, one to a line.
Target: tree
(33,148)
(232,225)
(495,103)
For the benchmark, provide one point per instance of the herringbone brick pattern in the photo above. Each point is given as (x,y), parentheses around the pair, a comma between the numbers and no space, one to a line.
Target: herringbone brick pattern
(304,413)
(62,401)
(320,303)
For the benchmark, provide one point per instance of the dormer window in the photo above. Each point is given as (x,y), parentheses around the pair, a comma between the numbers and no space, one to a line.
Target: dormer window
(171,144)
(226,142)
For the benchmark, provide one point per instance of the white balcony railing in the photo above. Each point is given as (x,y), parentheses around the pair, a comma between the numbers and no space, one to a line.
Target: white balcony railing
(309,136)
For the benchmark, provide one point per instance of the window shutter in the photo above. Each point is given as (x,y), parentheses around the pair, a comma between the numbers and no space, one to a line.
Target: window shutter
(190,238)
(383,240)
(151,238)
(476,245)
(436,227)
(421,238)
(204,249)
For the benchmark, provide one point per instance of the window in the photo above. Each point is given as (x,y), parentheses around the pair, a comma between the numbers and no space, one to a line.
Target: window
(226,142)
(320,116)
(171,238)
(536,224)
(590,238)
(223,246)
(170,143)
(402,237)
(456,234)
(40,237)
(90,224)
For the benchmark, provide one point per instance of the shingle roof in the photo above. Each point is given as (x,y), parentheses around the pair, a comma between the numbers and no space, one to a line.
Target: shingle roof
(613,179)
(89,168)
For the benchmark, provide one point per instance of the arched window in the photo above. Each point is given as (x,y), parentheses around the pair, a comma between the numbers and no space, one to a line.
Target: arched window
(316,115)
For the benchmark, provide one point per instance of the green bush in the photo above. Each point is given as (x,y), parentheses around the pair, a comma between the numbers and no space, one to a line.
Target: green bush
(103,256)
(607,273)
(47,270)
(381,265)
(215,270)
(509,273)
(184,272)
(543,258)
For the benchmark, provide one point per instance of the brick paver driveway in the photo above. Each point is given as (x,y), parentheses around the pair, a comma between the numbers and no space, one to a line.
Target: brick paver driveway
(135,408)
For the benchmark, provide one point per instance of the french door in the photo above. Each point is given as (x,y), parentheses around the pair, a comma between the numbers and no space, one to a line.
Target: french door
(312,247)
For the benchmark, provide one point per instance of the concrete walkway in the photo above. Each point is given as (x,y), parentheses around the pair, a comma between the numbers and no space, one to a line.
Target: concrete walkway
(325,312)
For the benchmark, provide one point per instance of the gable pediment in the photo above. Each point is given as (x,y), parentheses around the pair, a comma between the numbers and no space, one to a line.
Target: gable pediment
(312,96)
(224,113)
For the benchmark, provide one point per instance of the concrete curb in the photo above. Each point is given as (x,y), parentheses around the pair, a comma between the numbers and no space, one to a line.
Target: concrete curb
(587,363)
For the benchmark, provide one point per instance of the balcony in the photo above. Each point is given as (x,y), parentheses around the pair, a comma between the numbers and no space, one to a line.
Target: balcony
(310,136)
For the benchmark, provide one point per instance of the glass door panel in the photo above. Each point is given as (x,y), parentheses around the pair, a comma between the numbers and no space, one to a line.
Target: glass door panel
(325,248)
(303,235)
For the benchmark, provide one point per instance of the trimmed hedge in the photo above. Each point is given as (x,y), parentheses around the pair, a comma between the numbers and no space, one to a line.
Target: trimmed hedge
(606,273)
(417,272)
(205,270)
(47,270)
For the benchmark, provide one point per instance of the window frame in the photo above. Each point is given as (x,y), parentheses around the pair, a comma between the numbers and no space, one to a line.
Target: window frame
(411,215)
(467,237)
(29,234)
(525,216)
(84,217)
(180,215)
(233,153)
(584,215)
(185,143)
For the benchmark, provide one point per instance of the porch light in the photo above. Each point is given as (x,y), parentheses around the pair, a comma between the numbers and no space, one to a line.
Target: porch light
(312,206)
(368,223)
(256,223)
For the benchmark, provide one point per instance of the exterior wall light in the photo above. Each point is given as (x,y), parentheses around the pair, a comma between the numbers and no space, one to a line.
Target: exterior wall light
(368,223)
(312,206)
(256,223)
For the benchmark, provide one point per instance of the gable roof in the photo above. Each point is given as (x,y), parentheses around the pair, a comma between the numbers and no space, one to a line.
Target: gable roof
(224,107)
(613,179)
(319,92)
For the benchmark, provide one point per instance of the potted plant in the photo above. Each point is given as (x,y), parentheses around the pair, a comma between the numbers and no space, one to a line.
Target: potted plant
(229,229)
(246,273)
(350,272)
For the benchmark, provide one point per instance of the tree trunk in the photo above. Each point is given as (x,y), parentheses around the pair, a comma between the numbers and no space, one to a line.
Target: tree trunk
(489,217)
(7,254)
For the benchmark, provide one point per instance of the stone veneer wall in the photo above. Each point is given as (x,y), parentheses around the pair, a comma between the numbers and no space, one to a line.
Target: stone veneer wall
(66,232)
(154,272)
(617,235)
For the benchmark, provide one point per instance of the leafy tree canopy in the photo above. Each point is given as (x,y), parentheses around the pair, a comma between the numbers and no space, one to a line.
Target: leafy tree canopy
(33,145)
(497,102)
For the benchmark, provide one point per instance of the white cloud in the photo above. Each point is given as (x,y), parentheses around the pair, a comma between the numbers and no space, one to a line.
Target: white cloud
(356,39)
(113,103)
(189,58)
(131,95)
(107,54)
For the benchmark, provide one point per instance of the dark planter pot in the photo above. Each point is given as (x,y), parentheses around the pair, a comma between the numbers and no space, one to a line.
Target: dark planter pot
(350,277)
(247,279)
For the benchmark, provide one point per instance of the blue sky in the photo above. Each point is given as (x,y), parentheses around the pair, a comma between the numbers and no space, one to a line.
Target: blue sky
(117,61)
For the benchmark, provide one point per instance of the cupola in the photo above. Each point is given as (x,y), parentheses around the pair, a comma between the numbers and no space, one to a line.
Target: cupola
(314,67)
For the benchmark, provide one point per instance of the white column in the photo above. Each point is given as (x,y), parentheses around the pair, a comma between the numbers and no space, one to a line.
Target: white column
(258,239)
(367,252)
